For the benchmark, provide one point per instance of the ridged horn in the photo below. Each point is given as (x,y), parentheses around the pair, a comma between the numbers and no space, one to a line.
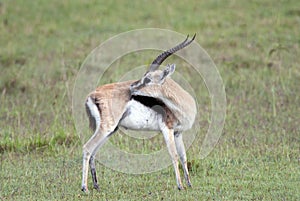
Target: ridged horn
(158,61)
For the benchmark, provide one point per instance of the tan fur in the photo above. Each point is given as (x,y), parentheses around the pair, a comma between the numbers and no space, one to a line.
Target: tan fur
(111,101)
(186,109)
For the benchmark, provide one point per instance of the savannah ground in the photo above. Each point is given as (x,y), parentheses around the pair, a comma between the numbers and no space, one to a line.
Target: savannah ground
(255,45)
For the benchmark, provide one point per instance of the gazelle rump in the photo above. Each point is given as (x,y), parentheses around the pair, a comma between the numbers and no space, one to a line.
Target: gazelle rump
(153,103)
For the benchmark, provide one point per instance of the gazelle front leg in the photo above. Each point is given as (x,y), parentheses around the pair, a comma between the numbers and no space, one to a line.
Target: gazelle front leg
(182,155)
(169,139)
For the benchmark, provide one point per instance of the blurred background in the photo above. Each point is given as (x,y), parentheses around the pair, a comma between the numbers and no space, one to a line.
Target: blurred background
(254,44)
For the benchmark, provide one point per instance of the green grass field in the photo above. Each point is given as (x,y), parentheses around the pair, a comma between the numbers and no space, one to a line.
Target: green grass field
(255,45)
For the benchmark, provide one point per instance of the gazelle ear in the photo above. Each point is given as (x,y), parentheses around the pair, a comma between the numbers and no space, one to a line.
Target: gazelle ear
(169,70)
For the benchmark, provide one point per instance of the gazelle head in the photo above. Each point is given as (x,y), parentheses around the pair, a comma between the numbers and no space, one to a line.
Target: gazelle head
(157,77)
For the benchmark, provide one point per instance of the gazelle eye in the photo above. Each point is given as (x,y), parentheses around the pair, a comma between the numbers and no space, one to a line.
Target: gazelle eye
(146,80)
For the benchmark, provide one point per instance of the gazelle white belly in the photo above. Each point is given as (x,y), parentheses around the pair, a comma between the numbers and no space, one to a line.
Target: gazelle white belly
(141,117)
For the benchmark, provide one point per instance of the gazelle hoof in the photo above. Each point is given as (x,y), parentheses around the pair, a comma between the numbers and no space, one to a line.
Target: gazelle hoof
(84,189)
(96,186)
(180,188)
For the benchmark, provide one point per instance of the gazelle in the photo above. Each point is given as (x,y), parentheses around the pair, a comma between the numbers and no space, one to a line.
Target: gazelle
(153,103)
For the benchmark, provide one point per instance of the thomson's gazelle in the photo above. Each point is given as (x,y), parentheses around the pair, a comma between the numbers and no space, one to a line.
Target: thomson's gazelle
(131,104)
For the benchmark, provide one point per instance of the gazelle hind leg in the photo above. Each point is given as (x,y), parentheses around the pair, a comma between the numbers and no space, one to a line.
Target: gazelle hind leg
(93,171)
(89,151)
(182,155)
(92,161)
(93,167)
(85,160)
(169,139)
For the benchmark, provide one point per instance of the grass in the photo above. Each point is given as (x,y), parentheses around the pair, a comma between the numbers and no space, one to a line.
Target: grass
(255,45)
